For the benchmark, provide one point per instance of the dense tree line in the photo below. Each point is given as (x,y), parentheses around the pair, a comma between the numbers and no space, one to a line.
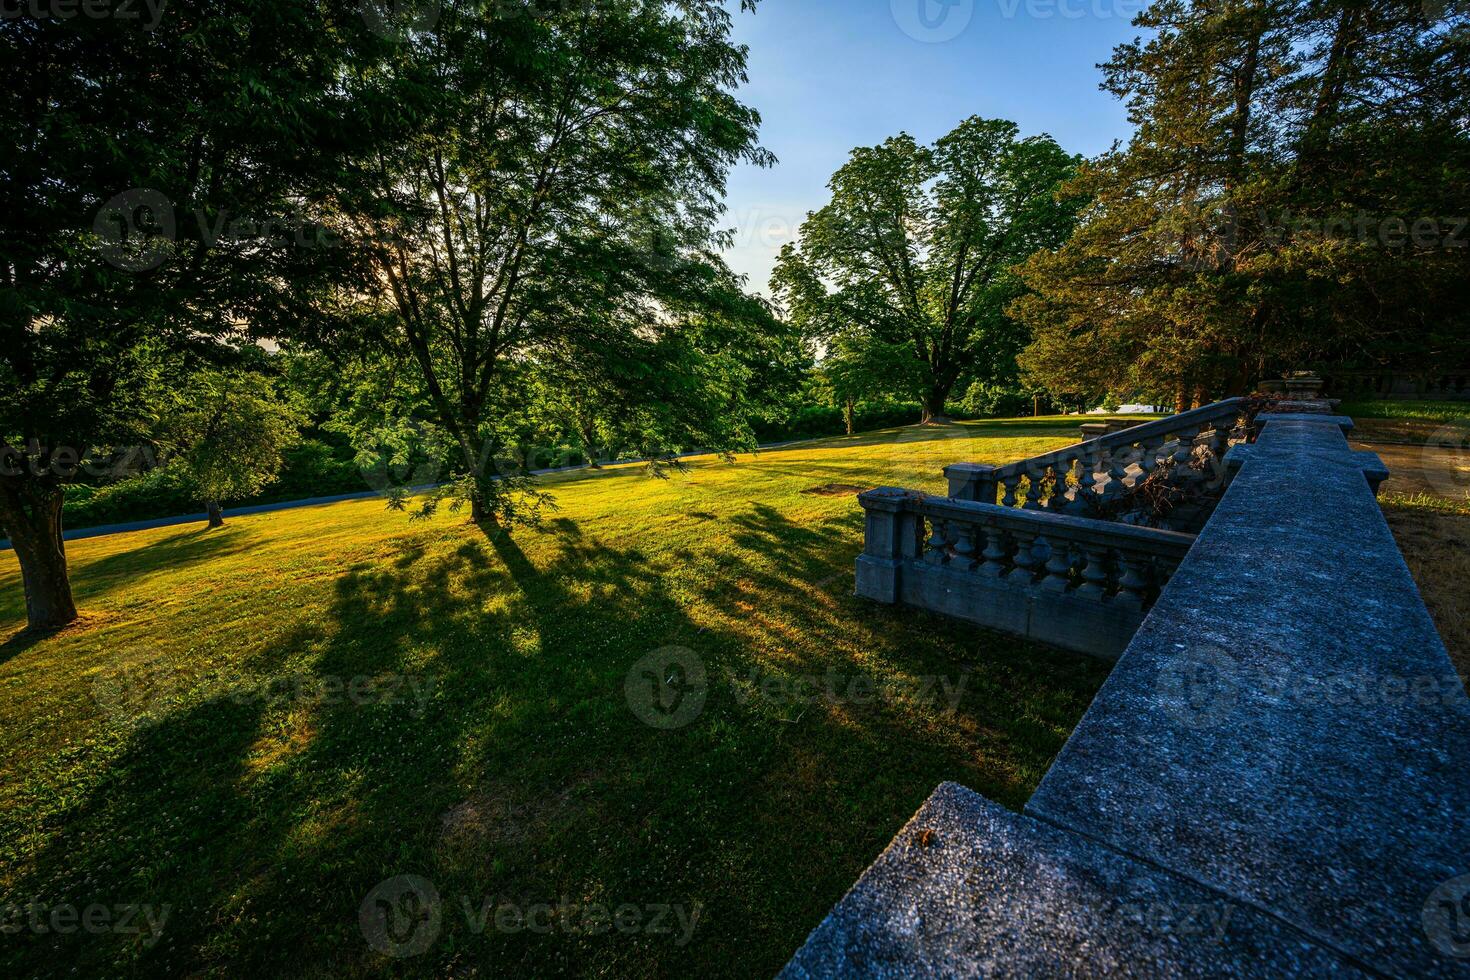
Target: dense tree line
(1297,192)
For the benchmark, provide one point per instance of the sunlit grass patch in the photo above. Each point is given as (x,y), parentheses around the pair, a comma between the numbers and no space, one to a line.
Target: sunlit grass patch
(258,725)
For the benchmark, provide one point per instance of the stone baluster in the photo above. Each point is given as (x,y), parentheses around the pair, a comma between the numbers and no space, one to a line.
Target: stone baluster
(937,552)
(1117,472)
(1094,572)
(1035,477)
(1183,453)
(966,539)
(1058,563)
(1057,500)
(1010,484)
(1085,496)
(1149,457)
(1026,562)
(1132,580)
(997,550)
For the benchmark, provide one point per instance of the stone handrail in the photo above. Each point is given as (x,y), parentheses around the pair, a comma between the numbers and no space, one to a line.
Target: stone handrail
(1101,469)
(1073,582)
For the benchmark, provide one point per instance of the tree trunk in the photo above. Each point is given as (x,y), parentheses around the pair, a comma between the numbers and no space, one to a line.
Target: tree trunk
(30,511)
(848,410)
(216,515)
(934,405)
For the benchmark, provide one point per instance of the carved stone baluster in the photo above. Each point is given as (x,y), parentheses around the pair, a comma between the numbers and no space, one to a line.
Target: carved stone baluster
(1183,453)
(1010,483)
(1026,561)
(1149,460)
(997,550)
(1117,470)
(1057,501)
(1058,563)
(1094,572)
(1035,476)
(964,546)
(1086,495)
(1133,580)
(938,549)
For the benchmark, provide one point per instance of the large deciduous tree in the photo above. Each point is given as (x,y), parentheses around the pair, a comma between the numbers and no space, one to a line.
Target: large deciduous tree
(916,246)
(157,192)
(1294,192)
(556,205)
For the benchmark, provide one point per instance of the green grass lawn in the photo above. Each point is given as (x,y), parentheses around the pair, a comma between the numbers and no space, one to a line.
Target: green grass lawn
(1415,410)
(255,726)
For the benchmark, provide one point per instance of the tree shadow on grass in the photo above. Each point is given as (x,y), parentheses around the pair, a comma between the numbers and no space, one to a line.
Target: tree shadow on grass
(94,578)
(516,769)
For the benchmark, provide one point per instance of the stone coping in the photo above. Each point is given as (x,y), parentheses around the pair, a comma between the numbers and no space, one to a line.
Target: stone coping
(970,889)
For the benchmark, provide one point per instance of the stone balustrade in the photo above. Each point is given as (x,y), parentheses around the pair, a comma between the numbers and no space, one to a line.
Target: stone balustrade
(1073,582)
(1272,782)
(1088,477)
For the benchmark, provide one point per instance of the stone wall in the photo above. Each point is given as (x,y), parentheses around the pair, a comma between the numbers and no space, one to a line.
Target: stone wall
(1275,779)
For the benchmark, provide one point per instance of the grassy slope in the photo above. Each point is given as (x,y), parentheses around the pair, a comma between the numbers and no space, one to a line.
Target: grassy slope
(140,763)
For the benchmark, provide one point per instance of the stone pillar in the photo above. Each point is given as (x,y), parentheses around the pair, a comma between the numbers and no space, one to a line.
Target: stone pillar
(971,481)
(891,537)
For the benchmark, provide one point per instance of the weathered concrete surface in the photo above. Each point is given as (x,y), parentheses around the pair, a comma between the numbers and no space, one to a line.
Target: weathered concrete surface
(1286,727)
(998,894)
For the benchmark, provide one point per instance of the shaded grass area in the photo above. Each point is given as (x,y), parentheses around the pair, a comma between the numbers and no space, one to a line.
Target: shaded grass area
(254,727)
(1433,533)
(1426,447)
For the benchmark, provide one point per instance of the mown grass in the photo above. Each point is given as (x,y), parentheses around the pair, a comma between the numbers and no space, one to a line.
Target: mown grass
(1428,411)
(198,741)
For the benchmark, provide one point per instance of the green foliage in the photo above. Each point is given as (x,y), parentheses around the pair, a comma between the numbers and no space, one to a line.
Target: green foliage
(1259,219)
(165,491)
(554,205)
(984,399)
(231,430)
(910,260)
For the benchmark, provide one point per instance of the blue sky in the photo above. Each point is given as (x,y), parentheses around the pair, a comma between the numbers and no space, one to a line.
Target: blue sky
(829,75)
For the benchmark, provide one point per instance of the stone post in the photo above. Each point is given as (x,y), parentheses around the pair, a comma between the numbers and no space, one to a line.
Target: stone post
(971,481)
(891,537)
